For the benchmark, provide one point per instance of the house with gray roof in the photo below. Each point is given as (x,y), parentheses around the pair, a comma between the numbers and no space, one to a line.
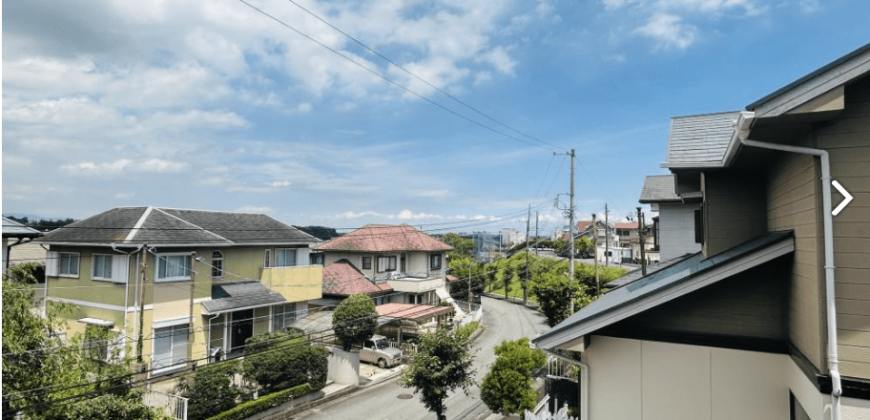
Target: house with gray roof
(15,234)
(770,318)
(180,285)
(674,226)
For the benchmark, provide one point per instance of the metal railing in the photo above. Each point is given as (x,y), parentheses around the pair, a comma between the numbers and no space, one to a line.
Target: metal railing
(174,406)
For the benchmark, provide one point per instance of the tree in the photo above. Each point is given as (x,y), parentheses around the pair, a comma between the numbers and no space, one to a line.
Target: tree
(554,293)
(39,369)
(461,246)
(508,387)
(282,360)
(507,276)
(211,390)
(441,364)
(355,320)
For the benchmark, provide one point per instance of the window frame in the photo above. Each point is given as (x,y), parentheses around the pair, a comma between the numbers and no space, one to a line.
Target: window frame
(94,267)
(217,264)
(432,258)
(285,252)
(164,258)
(60,265)
(267,258)
(363,263)
(172,346)
(391,262)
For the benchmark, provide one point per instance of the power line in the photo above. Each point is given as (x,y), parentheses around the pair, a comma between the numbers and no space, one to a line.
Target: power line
(387,59)
(390,81)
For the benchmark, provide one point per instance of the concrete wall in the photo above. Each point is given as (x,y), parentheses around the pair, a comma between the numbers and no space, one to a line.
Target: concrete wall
(634,379)
(344,367)
(677,230)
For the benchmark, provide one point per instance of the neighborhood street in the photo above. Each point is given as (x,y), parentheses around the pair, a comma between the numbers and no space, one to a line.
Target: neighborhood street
(502,320)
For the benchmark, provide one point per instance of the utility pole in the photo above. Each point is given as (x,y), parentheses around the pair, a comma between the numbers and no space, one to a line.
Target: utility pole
(570,227)
(536,232)
(469,290)
(595,247)
(526,283)
(606,238)
(640,241)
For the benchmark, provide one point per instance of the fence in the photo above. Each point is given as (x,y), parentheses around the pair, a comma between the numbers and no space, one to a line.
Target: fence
(172,405)
(476,311)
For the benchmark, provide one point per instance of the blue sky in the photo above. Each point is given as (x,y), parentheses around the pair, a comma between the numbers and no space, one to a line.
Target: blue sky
(213,105)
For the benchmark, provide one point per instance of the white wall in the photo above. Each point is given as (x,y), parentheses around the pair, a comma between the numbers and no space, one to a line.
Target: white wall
(677,230)
(645,380)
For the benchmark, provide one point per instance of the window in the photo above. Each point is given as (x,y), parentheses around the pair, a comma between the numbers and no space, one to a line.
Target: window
(267,259)
(101,267)
(367,263)
(435,261)
(386,264)
(283,316)
(285,257)
(173,267)
(217,264)
(170,346)
(316,259)
(68,264)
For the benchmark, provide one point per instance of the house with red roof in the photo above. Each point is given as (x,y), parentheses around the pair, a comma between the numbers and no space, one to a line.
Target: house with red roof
(411,263)
(342,279)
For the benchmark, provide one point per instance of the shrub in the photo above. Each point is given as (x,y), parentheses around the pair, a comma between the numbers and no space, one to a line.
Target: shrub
(509,387)
(111,407)
(249,408)
(283,360)
(211,390)
(355,320)
(468,329)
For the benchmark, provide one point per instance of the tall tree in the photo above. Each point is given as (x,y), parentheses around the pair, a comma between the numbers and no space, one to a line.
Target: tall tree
(442,364)
(461,246)
(507,276)
(355,320)
(508,387)
(554,294)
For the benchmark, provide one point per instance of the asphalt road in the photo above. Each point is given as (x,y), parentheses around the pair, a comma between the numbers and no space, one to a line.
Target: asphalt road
(503,321)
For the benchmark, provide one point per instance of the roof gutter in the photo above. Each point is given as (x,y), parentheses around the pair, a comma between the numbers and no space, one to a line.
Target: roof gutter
(742,132)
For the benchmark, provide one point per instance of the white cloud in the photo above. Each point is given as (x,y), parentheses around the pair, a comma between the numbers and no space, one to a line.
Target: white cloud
(122,165)
(359,215)
(669,30)
(125,195)
(501,60)
(410,215)
(255,209)
(280,184)
(809,6)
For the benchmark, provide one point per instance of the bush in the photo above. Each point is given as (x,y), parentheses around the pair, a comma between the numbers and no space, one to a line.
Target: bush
(468,329)
(111,407)
(249,408)
(211,390)
(355,320)
(509,387)
(283,360)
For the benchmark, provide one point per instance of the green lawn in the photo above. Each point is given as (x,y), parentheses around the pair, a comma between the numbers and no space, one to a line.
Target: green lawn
(516,290)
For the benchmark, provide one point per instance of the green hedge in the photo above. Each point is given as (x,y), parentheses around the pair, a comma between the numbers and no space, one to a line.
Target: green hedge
(248,409)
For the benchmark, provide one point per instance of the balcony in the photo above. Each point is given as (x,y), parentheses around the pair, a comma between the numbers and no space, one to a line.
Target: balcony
(413,282)
(296,283)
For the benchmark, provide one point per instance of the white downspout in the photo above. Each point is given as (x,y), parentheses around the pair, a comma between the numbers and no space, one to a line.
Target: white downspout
(584,382)
(828,222)
(127,283)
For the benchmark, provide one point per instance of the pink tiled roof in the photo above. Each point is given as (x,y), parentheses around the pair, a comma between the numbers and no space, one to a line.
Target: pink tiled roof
(451,277)
(381,238)
(343,279)
(629,225)
(583,224)
(410,310)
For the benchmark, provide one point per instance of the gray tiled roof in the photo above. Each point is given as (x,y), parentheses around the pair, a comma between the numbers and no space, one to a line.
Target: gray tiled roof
(700,140)
(233,296)
(13,229)
(658,188)
(163,226)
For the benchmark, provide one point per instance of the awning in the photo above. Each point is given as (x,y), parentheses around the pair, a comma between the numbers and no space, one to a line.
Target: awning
(443,295)
(230,297)
(97,322)
(665,285)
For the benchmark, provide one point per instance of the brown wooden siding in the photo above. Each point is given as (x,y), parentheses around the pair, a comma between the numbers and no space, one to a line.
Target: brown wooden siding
(792,204)
(847,139)
(734,210)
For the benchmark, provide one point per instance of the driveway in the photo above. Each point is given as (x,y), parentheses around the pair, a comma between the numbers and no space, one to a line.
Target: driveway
(502,320)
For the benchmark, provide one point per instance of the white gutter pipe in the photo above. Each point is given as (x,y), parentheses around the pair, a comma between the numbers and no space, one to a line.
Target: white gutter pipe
(828,222)
(584,382)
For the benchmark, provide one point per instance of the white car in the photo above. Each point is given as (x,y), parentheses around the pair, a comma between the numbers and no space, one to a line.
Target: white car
(377,350)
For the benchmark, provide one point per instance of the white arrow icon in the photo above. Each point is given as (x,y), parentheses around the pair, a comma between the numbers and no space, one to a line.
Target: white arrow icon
(845,194)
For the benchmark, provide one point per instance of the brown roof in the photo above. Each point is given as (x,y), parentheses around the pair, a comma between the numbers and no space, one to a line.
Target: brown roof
(381,238)
(341,278)
(410,310)
(583,224)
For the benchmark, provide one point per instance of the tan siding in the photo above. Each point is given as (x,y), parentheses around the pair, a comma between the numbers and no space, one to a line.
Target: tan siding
(792,201)
(734,210)
(848,140)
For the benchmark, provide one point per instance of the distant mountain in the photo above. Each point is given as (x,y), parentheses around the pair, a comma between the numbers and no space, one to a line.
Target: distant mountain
(320,232)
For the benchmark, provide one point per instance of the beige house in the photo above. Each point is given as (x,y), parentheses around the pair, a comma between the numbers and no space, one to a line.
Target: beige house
(412,263)
(771,318)
(181,285)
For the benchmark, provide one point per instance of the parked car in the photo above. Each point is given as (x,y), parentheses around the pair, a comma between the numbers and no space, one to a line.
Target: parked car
(378,350)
